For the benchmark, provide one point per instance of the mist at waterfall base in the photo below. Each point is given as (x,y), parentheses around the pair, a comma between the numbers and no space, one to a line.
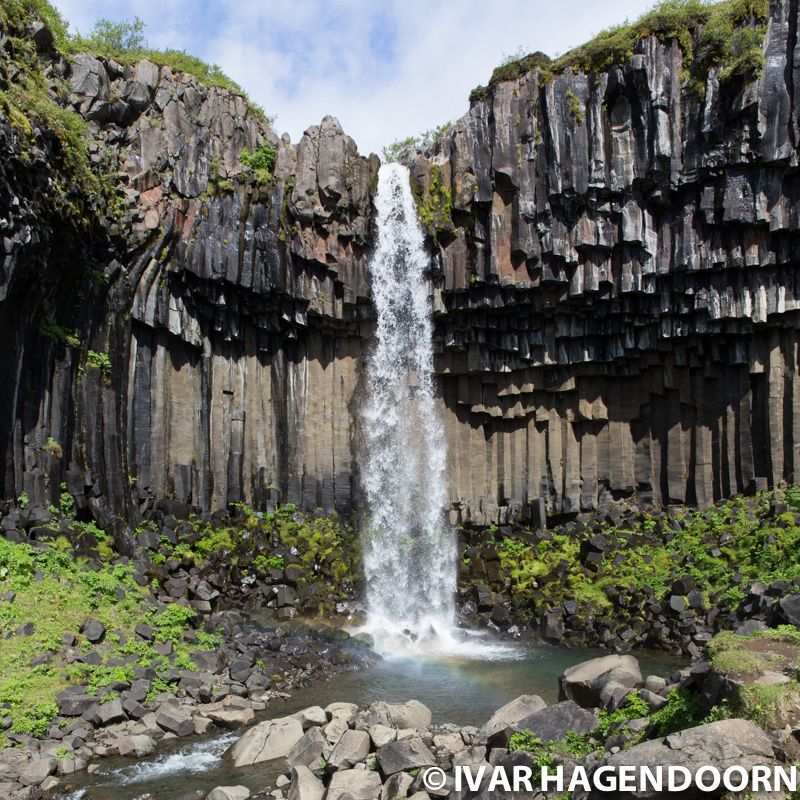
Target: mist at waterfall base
(409,548)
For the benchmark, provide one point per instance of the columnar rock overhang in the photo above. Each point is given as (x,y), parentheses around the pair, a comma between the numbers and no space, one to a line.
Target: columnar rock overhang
(615,292)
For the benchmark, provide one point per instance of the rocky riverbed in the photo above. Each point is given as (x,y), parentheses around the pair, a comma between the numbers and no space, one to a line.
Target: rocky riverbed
(224,689)
(206,618)
(608,713)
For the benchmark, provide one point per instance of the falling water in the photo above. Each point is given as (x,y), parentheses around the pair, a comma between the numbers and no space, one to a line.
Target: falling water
(409,549)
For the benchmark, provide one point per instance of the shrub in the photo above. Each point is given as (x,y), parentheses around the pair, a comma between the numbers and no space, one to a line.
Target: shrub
(53,447)
(99,361)
(632,707)
(117,38)
(679,713)
(261,161)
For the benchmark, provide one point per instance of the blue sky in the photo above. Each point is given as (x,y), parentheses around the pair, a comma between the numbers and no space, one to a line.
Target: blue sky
(385,69)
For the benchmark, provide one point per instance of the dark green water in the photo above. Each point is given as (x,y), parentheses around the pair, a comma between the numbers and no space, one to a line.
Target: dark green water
(456,690)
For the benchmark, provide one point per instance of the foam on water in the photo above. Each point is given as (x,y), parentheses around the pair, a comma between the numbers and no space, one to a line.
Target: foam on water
(192,759)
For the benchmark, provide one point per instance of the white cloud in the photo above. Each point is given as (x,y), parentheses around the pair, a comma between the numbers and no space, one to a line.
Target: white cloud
(385,69)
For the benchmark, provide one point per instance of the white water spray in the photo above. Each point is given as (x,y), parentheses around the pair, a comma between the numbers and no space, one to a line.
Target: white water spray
(409,549)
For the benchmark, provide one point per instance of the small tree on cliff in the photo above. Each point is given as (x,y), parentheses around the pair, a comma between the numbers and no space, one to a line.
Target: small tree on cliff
(118,38)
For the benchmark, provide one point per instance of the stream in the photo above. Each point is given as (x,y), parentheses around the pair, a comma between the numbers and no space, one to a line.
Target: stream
(456,689)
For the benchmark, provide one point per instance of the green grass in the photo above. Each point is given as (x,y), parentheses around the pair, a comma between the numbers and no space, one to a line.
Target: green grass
(56,592)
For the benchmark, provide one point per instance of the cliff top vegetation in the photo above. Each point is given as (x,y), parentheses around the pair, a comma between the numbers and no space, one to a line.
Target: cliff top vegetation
(726,36)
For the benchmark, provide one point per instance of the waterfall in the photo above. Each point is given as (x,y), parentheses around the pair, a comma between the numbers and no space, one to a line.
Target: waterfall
(409,549)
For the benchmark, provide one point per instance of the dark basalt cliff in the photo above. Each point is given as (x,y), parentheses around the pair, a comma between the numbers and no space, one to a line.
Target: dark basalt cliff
(616,295)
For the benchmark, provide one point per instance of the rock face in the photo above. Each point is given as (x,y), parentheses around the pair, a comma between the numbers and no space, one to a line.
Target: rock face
(616,295)
(619,294)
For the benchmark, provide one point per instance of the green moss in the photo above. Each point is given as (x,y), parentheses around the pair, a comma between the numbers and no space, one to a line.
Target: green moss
(757,547)
(511,69)
(217,185)
(53,447)
(395,151)
(52,330)
(434,206)
(575,107)
(59,602)
(263,564)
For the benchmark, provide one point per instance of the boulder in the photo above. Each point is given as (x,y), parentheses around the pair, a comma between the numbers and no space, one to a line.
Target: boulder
(313,715)
(229,793)
(73,702)
(335,729)
(412,714)
(354,784)
(584,682)
(404,756)
(507,716)
(37,770)
(266,741)
(350,749)
(723,744)
(553,723)
(788,610)
(231,717)
(396,786)
(110,712)
(138,745)
(344,711)
(381,735)
(308,750)
(175,721)
(93,630)
(305,785)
